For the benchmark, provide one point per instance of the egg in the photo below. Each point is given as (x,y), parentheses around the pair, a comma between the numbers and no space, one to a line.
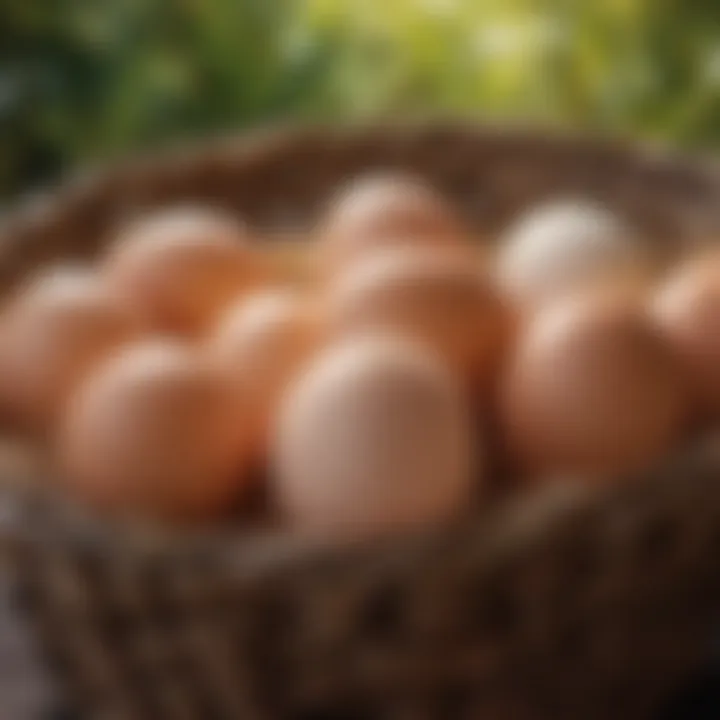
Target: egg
(562,247)
(438,298)
(375,436)
(156,432)
(687,309)
(592,390)
(378,211)
(262,343)
(58,327)
(183,267)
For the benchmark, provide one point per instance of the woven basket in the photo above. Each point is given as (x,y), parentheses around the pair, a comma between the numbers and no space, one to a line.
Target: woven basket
(567,604)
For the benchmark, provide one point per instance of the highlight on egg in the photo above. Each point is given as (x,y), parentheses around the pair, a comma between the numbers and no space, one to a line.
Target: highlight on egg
(567,246)
(59,325)
(262,343)
(592,390)
(156,432)
(374,437)
(437,298)
(386,210)
(183,266)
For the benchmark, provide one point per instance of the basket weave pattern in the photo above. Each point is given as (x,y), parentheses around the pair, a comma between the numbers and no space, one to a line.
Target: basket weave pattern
(571,605)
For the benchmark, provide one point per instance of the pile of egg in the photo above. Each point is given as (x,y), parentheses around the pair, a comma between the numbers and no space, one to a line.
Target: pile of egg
(187,371)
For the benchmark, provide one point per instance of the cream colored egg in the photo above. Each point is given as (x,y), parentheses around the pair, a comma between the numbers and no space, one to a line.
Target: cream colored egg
(438,298)
(58,327)
(378,211)
(566,247)
(157,432)
(263,342)
(184,266)
(376,436)
(591,390)
(687,308)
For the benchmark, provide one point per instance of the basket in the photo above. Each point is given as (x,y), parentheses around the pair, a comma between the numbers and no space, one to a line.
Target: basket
(566,604)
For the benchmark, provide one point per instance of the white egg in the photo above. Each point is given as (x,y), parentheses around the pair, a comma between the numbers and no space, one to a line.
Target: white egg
(565,246)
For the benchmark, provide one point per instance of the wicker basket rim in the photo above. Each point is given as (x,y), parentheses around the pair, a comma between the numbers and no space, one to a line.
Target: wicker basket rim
(258,143)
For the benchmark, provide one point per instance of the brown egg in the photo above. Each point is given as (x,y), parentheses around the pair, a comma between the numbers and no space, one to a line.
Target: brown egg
(687,308)
(262,343)
(184,266)
(386,210)
(156,432)
(592,389)
(375,436)
(438,298)
(565,247)
(58,327)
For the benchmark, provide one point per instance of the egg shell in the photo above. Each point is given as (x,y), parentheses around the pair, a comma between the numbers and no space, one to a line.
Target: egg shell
(687,308)
(60,325)
(374,437)
(184,266)
(591,390)
(157,432)
(442,299)
(262,343)
(385,210)
(567,246)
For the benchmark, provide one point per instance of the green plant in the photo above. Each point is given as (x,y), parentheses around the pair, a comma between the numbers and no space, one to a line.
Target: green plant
(88,79)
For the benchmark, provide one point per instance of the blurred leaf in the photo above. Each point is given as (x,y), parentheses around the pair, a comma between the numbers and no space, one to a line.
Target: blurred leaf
(88,79)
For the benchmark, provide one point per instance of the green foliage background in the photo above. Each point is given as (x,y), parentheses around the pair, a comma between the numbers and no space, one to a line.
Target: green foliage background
(83,80)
